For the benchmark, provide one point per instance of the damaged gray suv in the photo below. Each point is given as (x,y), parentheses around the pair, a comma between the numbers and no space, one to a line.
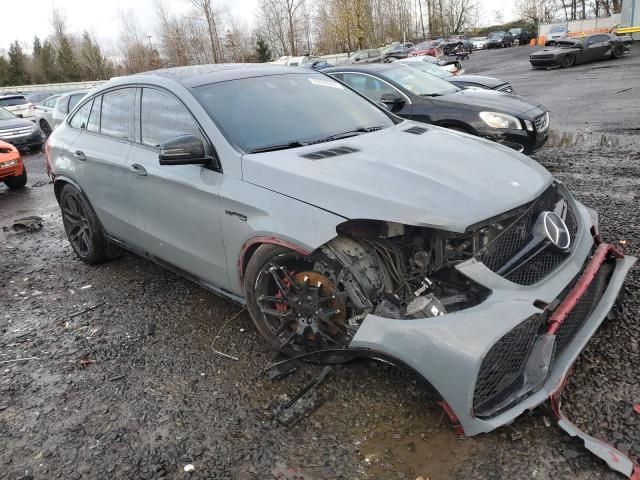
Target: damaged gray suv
(345,230)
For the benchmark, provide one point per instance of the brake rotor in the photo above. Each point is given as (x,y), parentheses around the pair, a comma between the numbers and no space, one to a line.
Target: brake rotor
(327,289)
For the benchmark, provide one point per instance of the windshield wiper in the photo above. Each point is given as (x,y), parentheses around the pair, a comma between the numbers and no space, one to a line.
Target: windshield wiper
(431,95)
(350,133)
(273,148)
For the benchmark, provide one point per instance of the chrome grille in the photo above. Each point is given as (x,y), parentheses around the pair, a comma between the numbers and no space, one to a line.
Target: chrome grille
(15,132)
(519,232)
(505,88)
(541,122)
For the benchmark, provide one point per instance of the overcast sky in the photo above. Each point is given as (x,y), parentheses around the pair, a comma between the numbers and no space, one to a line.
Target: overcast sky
(22,19)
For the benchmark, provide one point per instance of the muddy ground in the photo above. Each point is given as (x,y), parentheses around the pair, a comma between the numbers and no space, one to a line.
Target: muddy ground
(96,396)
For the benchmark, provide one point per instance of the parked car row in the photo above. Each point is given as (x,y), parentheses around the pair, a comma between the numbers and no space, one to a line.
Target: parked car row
(345,229)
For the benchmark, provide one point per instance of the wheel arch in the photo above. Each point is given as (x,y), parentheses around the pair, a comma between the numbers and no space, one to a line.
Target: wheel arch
(61,181)
(251,245)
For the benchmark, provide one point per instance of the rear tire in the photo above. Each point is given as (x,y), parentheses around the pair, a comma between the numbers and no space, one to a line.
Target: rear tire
(568,60)
(17,182)
(83,228)
(618,51)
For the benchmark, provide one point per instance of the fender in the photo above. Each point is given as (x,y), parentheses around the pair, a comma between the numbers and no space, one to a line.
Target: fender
(256,242)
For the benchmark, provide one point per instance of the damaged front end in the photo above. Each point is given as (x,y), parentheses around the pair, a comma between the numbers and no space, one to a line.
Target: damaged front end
(492,318)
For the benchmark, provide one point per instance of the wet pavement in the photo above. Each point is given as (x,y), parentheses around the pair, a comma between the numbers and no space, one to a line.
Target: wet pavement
(95,395)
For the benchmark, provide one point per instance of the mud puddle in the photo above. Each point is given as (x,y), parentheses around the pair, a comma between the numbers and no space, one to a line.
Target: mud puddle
(426,447)
(590,138)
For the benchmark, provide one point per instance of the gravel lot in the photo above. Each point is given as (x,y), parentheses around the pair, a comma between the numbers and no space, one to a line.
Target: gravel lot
(97,397)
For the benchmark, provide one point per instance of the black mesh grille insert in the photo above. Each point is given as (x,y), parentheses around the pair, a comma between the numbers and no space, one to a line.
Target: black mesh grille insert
(330,152)
(502,367)
(516,236)
(586,304)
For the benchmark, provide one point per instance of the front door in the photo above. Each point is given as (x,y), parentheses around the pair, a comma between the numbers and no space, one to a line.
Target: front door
(177,207)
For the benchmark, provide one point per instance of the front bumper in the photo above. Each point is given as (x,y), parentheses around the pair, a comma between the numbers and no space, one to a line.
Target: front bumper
(543,62)
(33,139)
(530,141)
(448,350)
(12,171)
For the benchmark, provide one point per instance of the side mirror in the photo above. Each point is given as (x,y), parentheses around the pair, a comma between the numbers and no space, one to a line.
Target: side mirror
(183,150)
(19,115)
(383,105)
(392,100)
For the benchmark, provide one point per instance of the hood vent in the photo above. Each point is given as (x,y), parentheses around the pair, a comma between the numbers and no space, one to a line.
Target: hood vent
(416,130)
(331,152)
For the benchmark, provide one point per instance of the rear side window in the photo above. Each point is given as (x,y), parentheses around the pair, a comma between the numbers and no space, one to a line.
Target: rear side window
(163,117)
(118,109)
(81,117)
(73,101)
(50,102)
(63,105)
(94,117)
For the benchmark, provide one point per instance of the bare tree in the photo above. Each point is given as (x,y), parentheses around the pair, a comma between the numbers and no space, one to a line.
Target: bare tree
(211,15)
(536,11)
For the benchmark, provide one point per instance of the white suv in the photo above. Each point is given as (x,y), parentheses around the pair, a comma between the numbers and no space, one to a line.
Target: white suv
(18,105)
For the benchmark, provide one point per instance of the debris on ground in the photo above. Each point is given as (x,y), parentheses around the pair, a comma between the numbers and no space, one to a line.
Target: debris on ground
(189,468)
(26,224)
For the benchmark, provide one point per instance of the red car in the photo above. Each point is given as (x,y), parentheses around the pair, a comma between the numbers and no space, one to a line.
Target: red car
(432,48)
(12,171)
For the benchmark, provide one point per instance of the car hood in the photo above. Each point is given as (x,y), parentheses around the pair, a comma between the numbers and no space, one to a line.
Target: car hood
(488,100)
(489,82)
(14,123)
(439,179)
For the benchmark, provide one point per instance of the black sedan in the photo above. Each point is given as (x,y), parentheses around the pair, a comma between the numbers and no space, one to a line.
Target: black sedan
(416,95)
(463,81)
(568,52)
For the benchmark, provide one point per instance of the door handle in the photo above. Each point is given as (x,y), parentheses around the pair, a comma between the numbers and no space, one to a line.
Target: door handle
(139,170)
(79,155)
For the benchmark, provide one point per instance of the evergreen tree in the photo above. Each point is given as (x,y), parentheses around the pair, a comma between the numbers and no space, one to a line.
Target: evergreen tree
(17,73)
(4,70)
(94,65)
(66,65)
(262,50)
(47,62)
(36,72)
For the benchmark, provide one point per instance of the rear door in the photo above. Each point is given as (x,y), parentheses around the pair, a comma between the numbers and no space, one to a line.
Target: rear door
(178,207)
(105,126)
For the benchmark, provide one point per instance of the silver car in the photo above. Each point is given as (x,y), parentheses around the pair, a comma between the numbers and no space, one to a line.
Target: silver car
(65,104)
(44,113)
(342,228)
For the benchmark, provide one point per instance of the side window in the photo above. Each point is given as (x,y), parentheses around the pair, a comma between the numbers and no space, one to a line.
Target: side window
(80,118)
(73,101)
(51,102)
(368,86)
(163,117)
(118,110)
(94,117)
(63,105)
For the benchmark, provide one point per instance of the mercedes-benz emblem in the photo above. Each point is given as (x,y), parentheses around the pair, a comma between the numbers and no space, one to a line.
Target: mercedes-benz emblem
(556,230)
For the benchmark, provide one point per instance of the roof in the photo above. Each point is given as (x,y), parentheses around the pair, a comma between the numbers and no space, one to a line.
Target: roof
(369,67)
(196,75)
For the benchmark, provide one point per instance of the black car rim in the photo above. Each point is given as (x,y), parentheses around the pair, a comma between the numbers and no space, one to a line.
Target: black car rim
(46,129)
(76,224)
(301,306)
(567,61)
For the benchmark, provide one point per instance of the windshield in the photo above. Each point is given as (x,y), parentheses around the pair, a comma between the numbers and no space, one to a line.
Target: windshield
(478,39)
(496,35)
(287,110)
(430,68)
(6,115)
(418,82)
(557,29)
